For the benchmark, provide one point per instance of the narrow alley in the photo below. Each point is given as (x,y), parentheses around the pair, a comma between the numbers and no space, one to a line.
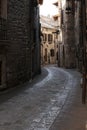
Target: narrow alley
(43,61)
(51,102)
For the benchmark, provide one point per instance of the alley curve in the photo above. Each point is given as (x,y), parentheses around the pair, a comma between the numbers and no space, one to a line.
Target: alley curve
(37,107)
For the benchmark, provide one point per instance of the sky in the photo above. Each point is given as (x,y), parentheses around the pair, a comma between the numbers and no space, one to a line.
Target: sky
(48,8)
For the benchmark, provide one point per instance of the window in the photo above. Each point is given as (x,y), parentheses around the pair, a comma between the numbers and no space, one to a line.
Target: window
(50,37)
(44,37)
(52,52)
(3,9)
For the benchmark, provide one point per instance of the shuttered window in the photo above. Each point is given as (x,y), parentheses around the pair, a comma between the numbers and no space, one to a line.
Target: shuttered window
(50,37)
(44,37)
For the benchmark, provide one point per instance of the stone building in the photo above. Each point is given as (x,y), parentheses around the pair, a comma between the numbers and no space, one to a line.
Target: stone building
(67,47)
(69,43)
(19,41)
(74,33)
(59,19)
(80,33)
(49,42)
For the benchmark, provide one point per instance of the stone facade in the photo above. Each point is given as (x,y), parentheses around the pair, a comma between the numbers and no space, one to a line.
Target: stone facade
(74,34)
(49,42)
(80,33)
(69,45)
(69,37)
(59,19)
(19,42)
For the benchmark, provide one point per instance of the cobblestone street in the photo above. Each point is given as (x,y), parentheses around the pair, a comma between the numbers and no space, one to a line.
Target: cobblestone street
(52,101)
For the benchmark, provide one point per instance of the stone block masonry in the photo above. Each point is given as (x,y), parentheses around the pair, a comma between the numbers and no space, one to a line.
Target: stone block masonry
(18,43)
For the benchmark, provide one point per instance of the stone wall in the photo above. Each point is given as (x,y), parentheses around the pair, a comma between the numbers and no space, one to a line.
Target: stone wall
(69,45)
(49,47)
(17,35)
(19,41)
(78,35)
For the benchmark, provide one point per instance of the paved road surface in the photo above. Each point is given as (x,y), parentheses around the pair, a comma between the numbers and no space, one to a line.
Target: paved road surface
(43,103)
